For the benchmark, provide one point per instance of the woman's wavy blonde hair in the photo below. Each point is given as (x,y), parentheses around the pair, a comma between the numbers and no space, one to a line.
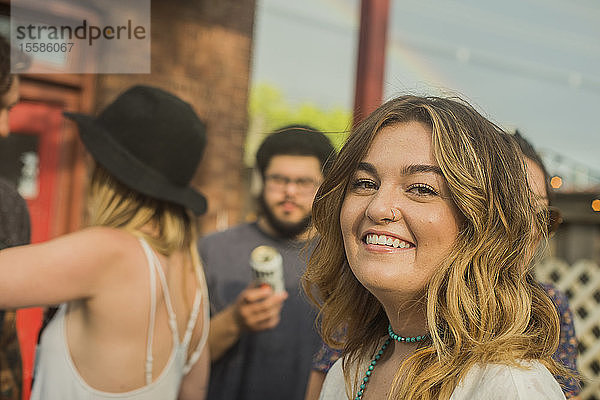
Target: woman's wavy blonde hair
(483,305)
(110,203)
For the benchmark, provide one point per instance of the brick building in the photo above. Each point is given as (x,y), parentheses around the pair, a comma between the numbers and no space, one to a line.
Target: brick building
(200,50)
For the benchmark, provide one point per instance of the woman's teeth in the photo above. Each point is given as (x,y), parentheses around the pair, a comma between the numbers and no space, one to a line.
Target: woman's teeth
(386,241)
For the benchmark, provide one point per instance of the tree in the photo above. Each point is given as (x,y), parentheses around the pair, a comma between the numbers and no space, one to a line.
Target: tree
(268,110)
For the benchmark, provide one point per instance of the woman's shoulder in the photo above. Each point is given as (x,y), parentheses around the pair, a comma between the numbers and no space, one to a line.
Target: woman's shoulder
(529,380)
(100,235)
(101,249)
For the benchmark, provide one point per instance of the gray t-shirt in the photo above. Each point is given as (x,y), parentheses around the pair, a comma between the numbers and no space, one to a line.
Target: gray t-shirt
(15,230)
(272,364)
(14,217)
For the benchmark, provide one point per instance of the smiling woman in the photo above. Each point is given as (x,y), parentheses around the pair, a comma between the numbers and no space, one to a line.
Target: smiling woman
(427,228)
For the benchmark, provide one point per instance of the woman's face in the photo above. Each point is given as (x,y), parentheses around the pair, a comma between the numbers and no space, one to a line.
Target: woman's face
(397,219)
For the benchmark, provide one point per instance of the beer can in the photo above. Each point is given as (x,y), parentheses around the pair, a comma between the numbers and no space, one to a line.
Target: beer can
(267,267)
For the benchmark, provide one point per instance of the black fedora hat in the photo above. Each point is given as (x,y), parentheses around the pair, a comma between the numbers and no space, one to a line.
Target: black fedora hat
(149,140)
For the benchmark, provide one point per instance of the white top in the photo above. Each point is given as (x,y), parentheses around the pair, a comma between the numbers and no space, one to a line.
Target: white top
(482,382)
(57,377)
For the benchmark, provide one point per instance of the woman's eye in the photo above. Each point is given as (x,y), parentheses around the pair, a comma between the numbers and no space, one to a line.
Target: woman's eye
(364,184)
(421,189)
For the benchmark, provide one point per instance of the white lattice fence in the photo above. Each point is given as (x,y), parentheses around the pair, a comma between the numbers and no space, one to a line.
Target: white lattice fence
(581,283)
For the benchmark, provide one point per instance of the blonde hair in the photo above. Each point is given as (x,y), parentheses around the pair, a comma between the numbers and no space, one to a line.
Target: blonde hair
(482,302)
(112,204)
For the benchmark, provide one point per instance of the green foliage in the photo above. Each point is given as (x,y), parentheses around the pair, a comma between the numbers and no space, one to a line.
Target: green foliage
(268,110)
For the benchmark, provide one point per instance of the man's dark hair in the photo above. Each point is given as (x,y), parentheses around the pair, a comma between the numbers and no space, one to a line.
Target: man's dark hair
(529,152)
(6,77)
(295,140)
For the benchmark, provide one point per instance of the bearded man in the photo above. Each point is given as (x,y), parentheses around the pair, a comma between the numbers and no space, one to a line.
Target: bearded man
(262,341)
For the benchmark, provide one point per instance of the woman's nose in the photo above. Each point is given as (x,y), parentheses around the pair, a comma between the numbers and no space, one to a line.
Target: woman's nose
(384,208)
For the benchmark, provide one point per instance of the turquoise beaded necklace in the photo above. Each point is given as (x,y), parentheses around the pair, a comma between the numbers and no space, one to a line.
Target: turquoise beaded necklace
(391,336)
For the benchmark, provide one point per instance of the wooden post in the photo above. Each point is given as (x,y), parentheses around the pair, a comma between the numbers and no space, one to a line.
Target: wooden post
(371,57)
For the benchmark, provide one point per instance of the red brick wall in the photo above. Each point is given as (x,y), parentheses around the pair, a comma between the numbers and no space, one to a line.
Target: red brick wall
(201,51)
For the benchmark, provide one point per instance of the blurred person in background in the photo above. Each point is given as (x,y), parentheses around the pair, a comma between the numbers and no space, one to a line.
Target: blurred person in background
(539,182)
(261,342)
(9,85)
(134,316)
(14,231)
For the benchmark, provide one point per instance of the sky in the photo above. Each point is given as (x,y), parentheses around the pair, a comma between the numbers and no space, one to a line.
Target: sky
(527,64)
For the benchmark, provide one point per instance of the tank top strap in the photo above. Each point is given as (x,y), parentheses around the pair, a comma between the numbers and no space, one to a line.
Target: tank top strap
(192,320)
(166,294)
(200,299)
(149,256)
(155,266)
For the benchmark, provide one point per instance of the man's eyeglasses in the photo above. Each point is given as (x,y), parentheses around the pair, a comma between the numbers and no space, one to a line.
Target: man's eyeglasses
(280,182)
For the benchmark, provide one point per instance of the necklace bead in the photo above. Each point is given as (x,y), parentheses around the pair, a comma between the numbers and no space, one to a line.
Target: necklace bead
(391,336)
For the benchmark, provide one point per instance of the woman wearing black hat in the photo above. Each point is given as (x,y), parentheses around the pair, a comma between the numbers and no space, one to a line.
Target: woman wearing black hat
(134,315)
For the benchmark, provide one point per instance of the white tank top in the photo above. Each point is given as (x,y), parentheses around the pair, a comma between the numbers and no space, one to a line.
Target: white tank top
(56,377)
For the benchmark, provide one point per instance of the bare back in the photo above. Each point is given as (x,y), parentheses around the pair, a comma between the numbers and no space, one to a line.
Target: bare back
(107,334)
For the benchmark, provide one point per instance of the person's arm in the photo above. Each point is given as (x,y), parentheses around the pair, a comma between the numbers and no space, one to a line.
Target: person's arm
(194,385)
(322,362)
(315,384)
(567,352)
(255,309)
(74,266)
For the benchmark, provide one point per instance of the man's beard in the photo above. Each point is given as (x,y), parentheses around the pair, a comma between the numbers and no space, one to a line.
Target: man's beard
(284,230)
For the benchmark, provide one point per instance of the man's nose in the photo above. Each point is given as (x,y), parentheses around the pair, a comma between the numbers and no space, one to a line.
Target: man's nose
(291,187)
